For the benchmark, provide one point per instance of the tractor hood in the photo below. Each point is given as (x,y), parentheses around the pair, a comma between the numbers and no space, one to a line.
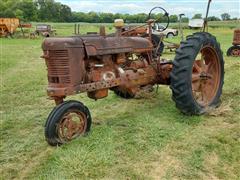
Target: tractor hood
(99,45)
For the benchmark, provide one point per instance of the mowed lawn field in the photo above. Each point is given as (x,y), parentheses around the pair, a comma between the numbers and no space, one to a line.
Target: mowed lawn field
(145,138)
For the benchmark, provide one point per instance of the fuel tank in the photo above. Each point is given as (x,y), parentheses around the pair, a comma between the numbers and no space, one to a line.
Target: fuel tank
(114,45)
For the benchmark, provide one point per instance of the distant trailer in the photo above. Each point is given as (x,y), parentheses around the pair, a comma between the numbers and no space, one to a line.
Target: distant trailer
(8,26)
(195,23)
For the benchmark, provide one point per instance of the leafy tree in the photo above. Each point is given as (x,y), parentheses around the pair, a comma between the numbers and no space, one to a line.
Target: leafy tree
(197,16)
(19,14)
(117,16)
(173,18)
(106,17)
(185,19)
(225,16)
(65,13)
(213,18)
(29,10)
(49,10)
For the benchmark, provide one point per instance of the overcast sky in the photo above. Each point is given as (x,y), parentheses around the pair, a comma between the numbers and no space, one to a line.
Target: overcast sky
(189,7)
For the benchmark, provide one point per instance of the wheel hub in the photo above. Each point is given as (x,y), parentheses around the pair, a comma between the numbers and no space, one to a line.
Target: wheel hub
(205,76)
(72,125)
(236,52)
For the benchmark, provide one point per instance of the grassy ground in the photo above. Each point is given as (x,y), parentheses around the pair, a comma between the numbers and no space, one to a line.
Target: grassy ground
(144,138)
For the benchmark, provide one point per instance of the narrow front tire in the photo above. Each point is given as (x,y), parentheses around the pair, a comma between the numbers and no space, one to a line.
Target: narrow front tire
(66,122)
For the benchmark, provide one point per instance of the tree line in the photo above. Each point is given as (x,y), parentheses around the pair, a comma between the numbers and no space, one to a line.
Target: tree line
(51,11)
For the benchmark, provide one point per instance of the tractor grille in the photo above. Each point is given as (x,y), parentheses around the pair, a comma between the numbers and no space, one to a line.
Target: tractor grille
(236,37)
(58,67)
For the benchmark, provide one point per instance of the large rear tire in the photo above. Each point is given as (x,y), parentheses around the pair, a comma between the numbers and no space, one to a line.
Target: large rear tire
(198,74)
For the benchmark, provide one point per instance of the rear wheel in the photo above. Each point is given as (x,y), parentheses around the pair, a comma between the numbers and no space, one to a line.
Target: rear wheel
(198,73)
(66,122)
(234,51)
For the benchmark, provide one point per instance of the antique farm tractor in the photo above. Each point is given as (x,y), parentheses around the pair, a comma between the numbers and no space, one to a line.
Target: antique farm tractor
(126,64)
(235,49)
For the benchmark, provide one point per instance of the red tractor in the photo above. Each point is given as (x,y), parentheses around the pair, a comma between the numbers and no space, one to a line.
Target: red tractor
(125,64)
(235,49)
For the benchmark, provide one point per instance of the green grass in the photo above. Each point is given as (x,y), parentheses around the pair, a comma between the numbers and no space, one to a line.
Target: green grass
(144,138)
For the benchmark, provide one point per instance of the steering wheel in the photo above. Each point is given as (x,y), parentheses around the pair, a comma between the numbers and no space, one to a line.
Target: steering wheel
(157,21)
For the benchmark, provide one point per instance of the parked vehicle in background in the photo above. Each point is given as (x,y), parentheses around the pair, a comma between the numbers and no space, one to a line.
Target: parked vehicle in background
(45,30)
(169,33)
(195,23)
(234,50)
(8,26)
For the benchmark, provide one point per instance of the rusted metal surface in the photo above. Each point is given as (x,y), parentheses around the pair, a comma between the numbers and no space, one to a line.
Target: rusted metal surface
(235,49)
(8,26)
(134,30)
(26,25)
(236,37)
(111,45)
(45,30)
(125,62)
(164,69)
(205,76)
(72,125)
(97,63)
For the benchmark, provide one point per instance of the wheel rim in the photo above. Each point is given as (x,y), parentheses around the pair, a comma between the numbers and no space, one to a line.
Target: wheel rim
(235,52)
(170,35)
(72,125)
(206,76)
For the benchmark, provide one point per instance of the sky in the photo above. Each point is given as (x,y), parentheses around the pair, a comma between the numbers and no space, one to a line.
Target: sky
(188,7)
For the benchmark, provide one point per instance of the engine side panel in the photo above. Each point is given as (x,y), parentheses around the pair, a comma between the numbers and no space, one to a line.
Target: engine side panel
(100,45)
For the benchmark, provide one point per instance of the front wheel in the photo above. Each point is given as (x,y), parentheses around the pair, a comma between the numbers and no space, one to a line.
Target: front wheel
(198,74)
(234,51)
(66,122)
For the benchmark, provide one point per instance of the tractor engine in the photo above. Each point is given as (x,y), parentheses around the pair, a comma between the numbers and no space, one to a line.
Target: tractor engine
(97,63)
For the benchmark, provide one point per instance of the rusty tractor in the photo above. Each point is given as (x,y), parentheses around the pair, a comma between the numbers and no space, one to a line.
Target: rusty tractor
(125,64)
(235,49)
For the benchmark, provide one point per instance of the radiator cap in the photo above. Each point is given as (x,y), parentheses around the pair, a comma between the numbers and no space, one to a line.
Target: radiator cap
(118,23)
